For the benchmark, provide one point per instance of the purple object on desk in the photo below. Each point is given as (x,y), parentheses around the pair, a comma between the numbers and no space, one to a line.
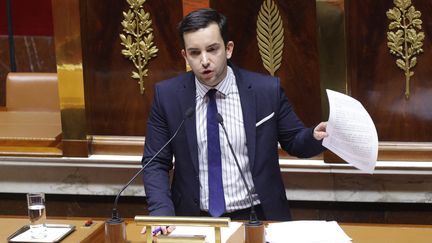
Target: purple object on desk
(157,230)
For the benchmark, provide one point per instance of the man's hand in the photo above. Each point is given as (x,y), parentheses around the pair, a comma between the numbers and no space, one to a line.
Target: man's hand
(320,131)
(157,230)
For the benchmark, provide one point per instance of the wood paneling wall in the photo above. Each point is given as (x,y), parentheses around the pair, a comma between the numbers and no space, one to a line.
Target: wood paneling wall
(299,72)
(114,105)
(378,83)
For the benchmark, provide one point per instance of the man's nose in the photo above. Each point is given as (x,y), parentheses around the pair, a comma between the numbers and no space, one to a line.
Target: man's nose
(204,60)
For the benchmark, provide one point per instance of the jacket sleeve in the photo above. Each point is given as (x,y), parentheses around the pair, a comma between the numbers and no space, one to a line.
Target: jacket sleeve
(156,173)
(293,136)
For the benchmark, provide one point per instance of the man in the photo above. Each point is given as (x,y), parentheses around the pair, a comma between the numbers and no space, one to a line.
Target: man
(256,114)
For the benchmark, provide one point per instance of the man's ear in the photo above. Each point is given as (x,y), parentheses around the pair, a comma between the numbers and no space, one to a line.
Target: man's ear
(229,49)
(183,52)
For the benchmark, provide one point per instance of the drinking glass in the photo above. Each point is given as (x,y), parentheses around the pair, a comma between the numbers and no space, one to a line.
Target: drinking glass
(37,214)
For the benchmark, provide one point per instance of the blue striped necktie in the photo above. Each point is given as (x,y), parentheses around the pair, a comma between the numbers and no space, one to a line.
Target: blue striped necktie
(216,194)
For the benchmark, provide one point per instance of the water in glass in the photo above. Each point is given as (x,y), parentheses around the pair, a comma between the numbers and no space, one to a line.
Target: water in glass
(37,214)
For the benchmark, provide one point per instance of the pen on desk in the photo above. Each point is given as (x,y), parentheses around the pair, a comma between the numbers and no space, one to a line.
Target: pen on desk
(157,230)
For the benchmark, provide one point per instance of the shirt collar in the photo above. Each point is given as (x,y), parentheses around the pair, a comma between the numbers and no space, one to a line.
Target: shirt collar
(224,87)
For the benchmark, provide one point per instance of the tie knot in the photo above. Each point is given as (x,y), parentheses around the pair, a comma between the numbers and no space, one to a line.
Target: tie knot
(211,93)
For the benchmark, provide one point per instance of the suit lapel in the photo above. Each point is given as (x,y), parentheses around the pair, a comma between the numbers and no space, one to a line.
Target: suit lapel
(186,96)
(248,104)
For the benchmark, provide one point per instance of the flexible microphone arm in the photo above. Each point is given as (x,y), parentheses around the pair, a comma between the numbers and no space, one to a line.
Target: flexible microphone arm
(253,216)
(189,112)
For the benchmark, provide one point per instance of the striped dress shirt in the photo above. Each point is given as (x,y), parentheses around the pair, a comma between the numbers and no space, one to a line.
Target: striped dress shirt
(228,104)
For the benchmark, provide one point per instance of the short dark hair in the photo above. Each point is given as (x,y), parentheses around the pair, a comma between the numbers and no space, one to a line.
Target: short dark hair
(202,18)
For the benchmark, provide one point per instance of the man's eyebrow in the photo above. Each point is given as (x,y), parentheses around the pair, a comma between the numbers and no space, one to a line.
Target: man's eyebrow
(209,46)
(214,45)
(192,49)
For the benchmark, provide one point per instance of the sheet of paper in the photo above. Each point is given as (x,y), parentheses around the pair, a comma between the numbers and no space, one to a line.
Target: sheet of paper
(352,133)
(306,231)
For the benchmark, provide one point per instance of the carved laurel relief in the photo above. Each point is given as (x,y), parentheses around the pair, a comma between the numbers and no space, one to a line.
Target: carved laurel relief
(403,39)
(270,36)
(138,40)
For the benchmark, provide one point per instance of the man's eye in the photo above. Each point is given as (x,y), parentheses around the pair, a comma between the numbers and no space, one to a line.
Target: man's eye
(194,53)
(213,49)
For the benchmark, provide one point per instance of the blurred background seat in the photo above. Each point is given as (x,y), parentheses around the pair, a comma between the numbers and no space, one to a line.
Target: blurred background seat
(32,92)
(31,122)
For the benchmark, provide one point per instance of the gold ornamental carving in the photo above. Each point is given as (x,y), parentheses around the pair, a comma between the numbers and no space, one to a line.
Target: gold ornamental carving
(137,39)
(270,36)
(403,39)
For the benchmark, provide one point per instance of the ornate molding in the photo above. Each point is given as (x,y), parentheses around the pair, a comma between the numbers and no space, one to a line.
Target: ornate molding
(270,36)
(403,39)
(138,39)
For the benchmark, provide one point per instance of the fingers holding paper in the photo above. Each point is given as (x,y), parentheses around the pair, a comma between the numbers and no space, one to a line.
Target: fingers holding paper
(320,131)
(167,229)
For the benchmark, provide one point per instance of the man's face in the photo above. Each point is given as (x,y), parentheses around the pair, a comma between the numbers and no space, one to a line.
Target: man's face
(206,54)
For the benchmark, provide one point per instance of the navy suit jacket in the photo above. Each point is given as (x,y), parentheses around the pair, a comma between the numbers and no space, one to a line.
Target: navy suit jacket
(260,96)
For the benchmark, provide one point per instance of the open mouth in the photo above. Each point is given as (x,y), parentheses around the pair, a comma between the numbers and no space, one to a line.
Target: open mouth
(207,73)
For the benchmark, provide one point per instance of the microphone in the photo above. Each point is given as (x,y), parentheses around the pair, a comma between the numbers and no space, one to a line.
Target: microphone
(254,228)
(115,218)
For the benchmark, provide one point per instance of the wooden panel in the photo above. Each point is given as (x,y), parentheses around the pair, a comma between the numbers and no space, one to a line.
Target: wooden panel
(117,145)
(29,18)
(67,35)
(190,5)
(299,71)
(89,206)
(378,83)
(114,105)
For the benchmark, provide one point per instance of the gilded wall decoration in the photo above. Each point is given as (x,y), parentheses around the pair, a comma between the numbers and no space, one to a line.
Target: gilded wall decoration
(138,39)
(270,36)
(403,39)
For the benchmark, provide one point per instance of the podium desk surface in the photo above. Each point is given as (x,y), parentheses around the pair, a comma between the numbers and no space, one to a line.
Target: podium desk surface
(82,234)
(133,233)
(394,233)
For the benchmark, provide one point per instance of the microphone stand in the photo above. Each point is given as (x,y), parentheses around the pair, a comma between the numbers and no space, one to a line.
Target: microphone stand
(254,227)
(115,228)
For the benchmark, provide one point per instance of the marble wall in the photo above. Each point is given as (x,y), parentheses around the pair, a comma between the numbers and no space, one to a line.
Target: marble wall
(398,192)
(305,180)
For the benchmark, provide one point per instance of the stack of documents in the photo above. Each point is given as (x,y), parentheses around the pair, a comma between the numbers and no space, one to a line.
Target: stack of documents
(306,232)
(352,133)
